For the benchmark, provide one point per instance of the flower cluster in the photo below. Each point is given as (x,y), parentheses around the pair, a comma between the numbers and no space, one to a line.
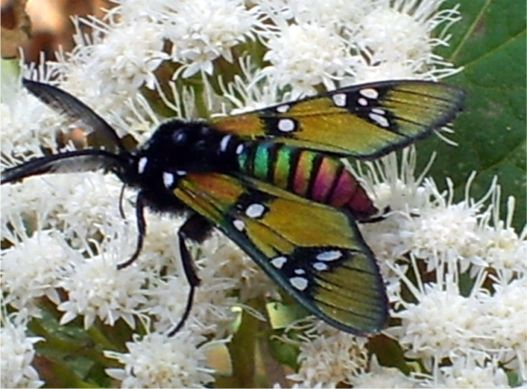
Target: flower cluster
(456,273)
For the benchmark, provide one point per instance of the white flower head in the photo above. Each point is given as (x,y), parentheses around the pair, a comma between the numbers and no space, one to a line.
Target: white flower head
(504,323)
(158,361)
(27,126)
(304,56)
(397,40)
(467,372)
(33,268)
(128,56)
(329,358)
(379,376)
(17,352)
(246,92)
(203,30)
(441,323)
(401,30)
(97,289)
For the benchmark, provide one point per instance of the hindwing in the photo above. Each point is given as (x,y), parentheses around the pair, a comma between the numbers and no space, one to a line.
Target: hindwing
(363,121)
(313,251)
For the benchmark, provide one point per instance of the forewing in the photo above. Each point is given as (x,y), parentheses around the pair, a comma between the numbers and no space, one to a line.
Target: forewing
(76,110)
(363,121)
(313,251)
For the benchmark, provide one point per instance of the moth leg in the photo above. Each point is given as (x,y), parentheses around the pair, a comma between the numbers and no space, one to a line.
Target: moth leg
(141,230)
(376,219)
(121,199)
(195,228)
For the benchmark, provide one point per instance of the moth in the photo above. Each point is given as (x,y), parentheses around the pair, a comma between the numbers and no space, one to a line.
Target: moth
(272,181)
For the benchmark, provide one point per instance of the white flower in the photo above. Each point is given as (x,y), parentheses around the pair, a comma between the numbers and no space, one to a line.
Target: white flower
(326,13)
(17,352)
(304,56)
(397,39)
(128,56)
(505,250)
(503,322)
(203,30)
(245,93)
(33,267)
(27,126)
(96,289)
(441,323)
(330,357)
(158,361)
(382,377)
(468,373)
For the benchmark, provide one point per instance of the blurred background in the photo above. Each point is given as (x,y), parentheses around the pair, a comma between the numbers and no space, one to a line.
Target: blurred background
(42,25)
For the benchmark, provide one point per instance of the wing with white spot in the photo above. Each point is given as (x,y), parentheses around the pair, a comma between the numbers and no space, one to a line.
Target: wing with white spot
(315,252)
(363,121)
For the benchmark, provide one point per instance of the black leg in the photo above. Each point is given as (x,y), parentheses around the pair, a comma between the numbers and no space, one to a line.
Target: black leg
(141,230)
(121,197)
(195,228)
(376,219)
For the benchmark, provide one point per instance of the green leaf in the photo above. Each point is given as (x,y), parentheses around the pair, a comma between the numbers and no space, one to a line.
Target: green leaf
(489,43)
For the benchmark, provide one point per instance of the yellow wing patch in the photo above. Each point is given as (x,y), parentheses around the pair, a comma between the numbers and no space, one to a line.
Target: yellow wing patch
(366,120)
(313,251)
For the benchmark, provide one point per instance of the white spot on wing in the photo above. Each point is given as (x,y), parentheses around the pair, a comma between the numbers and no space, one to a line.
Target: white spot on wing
(255,210)
(379,119)
(363,101)
(181,172)
(300,271)
(239,149)
(379,111)
(283,108)
(339,99)
(225,142)
(320,266)
(168,179)
(238,224)
(286,125)
(370,93)
(299,283)
(141,165)
(278,262)
(330,255)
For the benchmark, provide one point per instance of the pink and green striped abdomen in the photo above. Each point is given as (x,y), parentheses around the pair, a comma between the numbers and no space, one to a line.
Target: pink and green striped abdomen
(310,174)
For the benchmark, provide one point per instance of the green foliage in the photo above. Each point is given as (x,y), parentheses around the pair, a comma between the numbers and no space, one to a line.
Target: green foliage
(489,43)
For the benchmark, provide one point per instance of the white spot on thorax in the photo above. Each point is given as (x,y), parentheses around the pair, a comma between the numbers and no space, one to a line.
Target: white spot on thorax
(278,262)
(299,283)
(370,93)
(320,266)
(330,255)
(379,119)
(141,165)
(238,224)
(168,179)
(255,210)
(283,108)
(286,125)
(225,142)
(339,99)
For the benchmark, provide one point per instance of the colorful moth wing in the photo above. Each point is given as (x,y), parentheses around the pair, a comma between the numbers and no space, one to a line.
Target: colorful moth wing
(307,173)
(312,250)
(363,121)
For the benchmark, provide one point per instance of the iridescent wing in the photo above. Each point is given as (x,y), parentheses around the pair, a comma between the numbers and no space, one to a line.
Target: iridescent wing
(363,121)
(314,251)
